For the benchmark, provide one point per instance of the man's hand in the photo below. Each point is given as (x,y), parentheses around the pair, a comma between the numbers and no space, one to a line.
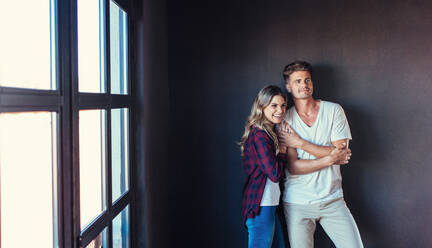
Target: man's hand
(288,137)
(340,155)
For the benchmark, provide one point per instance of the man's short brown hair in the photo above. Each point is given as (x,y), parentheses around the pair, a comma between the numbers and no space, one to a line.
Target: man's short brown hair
(296,66)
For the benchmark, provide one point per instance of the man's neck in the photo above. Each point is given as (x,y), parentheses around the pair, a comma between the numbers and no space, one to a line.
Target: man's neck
(306,106)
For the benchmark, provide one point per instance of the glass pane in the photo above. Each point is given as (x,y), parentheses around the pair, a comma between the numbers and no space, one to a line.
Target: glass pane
(90,46)
(120,152)
(121,229)
(118,44)
(92,164)
(26,64)
(100,241)
(28,185)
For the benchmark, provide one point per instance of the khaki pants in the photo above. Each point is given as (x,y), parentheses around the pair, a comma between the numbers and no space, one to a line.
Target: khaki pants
(335,218)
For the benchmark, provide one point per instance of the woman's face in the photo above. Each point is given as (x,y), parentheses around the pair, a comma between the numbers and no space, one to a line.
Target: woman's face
(275,111)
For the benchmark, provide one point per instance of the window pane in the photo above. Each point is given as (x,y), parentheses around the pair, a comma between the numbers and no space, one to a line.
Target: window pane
(28,165)
(92,164)
(100,241)
(118,44)
(120,152)
(90,46)
(121,229)
(27,44)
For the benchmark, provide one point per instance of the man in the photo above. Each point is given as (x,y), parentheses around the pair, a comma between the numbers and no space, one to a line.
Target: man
(313,184)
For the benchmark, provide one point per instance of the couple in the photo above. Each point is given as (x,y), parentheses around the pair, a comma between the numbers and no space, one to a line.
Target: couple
(304,146)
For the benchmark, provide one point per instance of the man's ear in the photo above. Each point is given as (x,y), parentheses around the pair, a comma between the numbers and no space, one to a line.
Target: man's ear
(288,87)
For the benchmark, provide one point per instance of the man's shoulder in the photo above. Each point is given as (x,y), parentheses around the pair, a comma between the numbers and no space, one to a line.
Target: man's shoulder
(292,108)
(331,106)
(290,114)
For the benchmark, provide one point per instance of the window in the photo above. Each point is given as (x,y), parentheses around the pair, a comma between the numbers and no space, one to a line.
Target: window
(118,34)
(23,63)
(65,110)
(92,164)
(38,144)
(119,152)
(91,44)
(120,229)
(100,240)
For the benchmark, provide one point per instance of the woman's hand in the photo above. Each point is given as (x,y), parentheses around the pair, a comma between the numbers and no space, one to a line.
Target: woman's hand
(288,137)
(282,148)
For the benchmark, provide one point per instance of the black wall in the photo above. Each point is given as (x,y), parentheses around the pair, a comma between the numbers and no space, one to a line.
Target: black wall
(150,123)
(372,57)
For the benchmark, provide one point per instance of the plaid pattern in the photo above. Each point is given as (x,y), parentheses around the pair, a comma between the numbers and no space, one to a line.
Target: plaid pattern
(260,162)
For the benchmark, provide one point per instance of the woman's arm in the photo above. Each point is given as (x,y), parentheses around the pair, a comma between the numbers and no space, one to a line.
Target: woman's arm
(270,164)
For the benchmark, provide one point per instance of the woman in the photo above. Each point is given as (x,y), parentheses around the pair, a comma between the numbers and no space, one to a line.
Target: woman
(263,159)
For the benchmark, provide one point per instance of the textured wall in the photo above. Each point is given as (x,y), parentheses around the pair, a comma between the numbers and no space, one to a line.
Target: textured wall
(372,57)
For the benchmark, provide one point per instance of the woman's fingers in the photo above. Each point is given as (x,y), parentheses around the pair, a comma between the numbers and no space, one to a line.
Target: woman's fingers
(289,129)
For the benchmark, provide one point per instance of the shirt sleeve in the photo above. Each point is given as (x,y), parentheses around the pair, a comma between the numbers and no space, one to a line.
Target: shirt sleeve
(340,129)
(270,164)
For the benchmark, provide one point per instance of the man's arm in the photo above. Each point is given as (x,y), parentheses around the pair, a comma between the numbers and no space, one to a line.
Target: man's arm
(304,166)
(321,151)
(290,138)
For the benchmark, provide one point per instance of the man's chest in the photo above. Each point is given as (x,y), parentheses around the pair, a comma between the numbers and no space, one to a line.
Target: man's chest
(318,133)
(308,120)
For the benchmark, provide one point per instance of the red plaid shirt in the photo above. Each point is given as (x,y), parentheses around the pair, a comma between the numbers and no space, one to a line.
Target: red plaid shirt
(260,162)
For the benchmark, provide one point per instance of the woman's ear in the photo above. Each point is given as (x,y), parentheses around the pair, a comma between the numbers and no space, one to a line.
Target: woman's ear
(259,112)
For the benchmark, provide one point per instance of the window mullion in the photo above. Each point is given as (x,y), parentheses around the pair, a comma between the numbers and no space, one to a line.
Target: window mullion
(68,84)
(107,67)
(106,38)
(108,164)
(132,141)
(17,100)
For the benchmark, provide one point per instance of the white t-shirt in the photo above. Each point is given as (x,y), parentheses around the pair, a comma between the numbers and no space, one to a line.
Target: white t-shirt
(326,184)
(271,194)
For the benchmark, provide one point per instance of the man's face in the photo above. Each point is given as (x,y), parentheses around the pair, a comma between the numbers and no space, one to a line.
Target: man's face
(300,85)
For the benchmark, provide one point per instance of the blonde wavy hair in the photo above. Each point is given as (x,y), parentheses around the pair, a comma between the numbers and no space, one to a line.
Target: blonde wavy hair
(257,117)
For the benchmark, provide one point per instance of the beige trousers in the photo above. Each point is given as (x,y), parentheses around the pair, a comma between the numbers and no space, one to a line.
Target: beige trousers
(335,218)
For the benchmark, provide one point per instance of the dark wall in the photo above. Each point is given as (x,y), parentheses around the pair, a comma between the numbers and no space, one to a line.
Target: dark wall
(150,123)
(372,57)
